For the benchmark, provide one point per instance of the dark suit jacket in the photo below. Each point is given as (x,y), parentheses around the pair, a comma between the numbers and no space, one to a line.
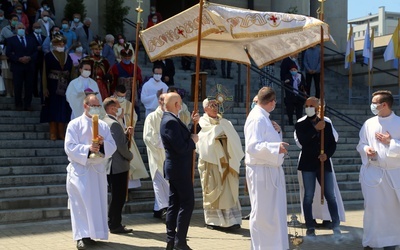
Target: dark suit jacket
(122,156)
(178,146)
(310,140)
(40,54)
(15,49)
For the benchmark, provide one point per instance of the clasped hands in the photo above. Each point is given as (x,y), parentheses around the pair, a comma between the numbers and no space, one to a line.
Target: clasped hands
(383,137)
(96,144)
(24,59)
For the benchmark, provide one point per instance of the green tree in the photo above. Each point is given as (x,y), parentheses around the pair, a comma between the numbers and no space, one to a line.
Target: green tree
(114,14)
(74,6)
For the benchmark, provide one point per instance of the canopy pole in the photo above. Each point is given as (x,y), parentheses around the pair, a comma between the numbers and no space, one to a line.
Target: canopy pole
(197,78)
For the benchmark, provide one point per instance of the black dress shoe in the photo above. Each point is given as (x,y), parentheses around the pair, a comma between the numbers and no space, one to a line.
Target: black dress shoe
(121,230)
(80,244)
(185,247)
(89,241)
(170,246)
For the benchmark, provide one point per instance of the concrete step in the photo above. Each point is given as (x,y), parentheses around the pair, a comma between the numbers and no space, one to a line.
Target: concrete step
(31,152)
(31,144)
(28,191)
(32,180)
(32,170)
(28,161)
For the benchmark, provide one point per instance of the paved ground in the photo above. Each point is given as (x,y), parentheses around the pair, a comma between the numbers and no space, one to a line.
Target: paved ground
(149,233)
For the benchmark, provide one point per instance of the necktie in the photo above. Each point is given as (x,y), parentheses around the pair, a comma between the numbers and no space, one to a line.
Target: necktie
(39,39)
(23,41)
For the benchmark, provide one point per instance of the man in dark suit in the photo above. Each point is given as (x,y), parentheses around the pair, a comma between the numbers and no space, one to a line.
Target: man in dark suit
(308,132)
(118,166)
(37,78)
(179,144)
(22,52)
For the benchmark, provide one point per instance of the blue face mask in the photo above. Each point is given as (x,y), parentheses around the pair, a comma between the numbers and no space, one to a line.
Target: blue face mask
(64,26)
(293,73)
(126,61)
(38,31)
(21,32)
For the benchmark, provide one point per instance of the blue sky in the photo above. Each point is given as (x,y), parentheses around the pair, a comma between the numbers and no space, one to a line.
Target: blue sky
(359,8)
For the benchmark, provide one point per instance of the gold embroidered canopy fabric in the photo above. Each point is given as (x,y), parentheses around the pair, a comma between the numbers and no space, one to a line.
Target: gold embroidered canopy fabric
(228,32)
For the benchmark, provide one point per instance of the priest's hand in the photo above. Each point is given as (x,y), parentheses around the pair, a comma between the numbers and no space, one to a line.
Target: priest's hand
(383,138)
(282,148)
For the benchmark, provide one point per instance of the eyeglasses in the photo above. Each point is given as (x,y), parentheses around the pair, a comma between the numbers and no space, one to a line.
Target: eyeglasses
(213,105)
(94,106)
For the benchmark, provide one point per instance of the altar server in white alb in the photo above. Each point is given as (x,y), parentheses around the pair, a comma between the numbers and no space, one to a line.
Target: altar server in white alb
(320,211)
(379,148)
(79,87)
(156,158)
(265,177)
(152,89)
(220,152)
(87,177)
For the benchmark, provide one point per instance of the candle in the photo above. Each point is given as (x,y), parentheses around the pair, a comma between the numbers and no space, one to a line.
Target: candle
(95,127)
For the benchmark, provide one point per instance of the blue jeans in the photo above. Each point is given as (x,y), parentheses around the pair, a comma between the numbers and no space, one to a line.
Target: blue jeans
(309,189)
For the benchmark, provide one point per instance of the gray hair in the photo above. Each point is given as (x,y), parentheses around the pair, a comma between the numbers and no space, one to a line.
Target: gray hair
(109,38)
(87,19)
(205,103)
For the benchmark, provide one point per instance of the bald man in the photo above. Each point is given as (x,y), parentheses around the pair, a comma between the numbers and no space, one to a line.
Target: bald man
(179,144)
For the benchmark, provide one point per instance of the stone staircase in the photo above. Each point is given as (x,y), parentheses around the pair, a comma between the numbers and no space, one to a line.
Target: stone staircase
(32,168)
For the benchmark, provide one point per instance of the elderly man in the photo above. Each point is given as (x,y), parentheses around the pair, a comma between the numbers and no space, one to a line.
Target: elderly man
(152,89)
(46,23)
(179,144)
(220,152)
(118,167)
(87,176)
(84,35)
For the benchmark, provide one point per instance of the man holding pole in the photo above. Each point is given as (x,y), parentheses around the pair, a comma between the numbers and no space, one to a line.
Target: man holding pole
(309,132)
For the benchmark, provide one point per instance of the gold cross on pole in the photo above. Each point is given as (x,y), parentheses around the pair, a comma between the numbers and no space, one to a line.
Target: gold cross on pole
(139,10)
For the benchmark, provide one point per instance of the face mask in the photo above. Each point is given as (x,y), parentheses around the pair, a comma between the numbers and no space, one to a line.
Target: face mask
(310,111)
(374,108)
(13,23)
(19,11)
(46,7)
(45,18)
(85,73)
(79,49)
(121,41)
(64,26)
(76,20)
(94,111)
(59,49)
(119,112)
(1,18)
(38,31)
(120,99)
(253,104)
(157,77)
(293,73)
(154,20)
(21,32)
(126,61)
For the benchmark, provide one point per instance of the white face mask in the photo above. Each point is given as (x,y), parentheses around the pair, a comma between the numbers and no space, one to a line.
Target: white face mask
(374,108)
(120,99)
(310,111)
(59,49)
(94,111)
(157,77)
(119,112)
(85,73)
(79,49)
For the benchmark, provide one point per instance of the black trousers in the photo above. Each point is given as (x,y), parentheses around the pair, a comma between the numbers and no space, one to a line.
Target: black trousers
(180,209)
(294,105)
(118,184)
(23,81)
(309,78)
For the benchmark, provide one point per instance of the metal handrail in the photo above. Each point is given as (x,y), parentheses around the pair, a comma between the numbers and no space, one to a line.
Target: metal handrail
(130,22)
(328,109)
